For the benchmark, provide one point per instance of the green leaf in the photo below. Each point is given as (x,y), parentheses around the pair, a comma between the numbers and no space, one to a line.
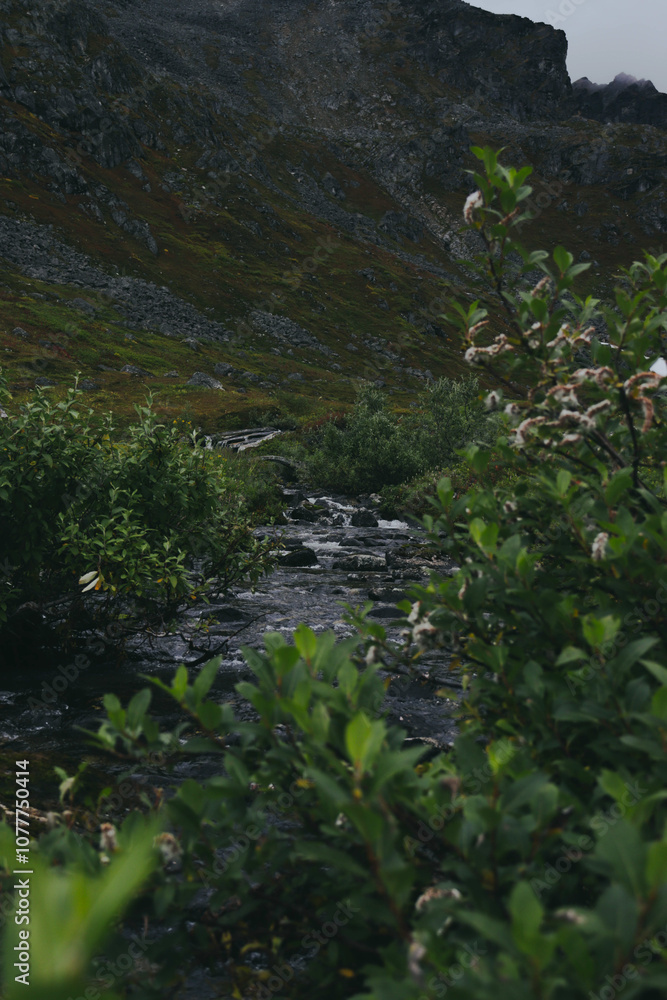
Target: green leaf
(445,492)
(656,865)
(347,677)
(657,669)
(563,259)
(478,458)
(237,770)
(619,484)
(357,734)
(485,535)
(285,659)
(328,787)
(205,678)
(613,784)
(137,708)
(71,915)
(305,641)
(332,857)
(321,720)
(563,480)
(571,654)
(622,848)
(577,269)
(489,927)
(180,683)
(631,654)
(599,630)
(526,913)
(659,704)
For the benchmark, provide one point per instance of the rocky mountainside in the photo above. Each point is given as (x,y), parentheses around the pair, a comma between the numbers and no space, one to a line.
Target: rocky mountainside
(269,194)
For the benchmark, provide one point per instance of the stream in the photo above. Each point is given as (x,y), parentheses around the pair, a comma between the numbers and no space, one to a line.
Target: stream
(333,551)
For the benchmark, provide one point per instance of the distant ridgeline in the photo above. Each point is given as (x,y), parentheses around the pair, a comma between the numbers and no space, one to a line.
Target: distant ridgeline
(624,100)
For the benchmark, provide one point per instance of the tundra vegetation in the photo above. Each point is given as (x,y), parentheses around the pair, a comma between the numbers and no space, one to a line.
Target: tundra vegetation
(322,857)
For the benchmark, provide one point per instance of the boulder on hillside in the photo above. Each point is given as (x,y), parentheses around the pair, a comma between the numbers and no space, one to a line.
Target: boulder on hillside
(223,368)
(203,381)
(83,306)
(135,370)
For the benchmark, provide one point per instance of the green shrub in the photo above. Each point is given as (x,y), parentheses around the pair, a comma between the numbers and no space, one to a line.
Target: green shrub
(376,448)
(370,451)
(451,417)
(154,517)
(47,451)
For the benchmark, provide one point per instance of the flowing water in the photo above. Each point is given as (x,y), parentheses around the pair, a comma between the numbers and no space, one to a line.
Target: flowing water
(45,703)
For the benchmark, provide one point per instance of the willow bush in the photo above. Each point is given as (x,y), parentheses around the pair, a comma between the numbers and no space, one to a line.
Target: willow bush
(150,517)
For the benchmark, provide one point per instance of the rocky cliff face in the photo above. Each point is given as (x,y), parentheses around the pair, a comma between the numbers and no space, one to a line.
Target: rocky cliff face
(282,182)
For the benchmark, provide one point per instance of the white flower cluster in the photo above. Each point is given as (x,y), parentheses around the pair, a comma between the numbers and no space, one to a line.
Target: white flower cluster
(566,335)
(599,547)
(635,386)
(108,842)
(473,201)
(544,283)
(170,849)
(501,344)
(600,376)
(372,656)
(434,892)
(571,418)
(423,632)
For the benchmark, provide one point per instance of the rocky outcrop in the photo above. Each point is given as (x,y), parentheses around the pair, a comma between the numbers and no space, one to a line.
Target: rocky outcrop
(625,99)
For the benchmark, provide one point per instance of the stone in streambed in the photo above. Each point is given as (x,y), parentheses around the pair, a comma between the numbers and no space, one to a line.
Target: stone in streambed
(298,557)
(303,514)
(363,519)
(361,562)
(386,612)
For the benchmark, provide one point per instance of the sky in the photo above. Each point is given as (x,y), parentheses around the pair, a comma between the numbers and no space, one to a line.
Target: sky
(606,37)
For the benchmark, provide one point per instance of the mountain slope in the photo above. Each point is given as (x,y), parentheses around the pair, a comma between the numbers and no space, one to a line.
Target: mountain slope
(276,189)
